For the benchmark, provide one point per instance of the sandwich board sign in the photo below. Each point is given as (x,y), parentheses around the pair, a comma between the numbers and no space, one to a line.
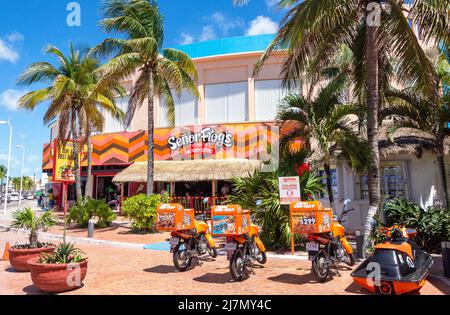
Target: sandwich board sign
(289,189)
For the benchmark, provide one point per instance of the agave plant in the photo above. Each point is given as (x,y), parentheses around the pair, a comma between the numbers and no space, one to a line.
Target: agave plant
(27,219)
(65,253)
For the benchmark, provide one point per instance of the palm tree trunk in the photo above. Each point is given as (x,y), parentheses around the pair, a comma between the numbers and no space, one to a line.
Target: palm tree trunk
(76,157)
(88,188)
(150,129)
(372,126)
(442,171)
(33,239)
(327,169)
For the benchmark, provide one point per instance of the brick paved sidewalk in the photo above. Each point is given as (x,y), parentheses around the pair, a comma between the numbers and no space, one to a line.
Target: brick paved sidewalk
(115,270)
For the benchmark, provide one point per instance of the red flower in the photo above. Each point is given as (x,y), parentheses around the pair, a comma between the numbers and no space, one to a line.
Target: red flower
(305,167)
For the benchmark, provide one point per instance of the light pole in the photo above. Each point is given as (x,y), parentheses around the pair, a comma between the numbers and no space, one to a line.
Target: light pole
(7,122)
(21,173)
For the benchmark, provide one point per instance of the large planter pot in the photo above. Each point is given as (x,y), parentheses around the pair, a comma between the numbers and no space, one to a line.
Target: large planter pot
(55,278)
(18,258)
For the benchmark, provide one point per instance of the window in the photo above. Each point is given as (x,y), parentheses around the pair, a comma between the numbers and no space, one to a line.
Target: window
(185,110)
(268,94)
(112,124)
(393,183)
(226,102)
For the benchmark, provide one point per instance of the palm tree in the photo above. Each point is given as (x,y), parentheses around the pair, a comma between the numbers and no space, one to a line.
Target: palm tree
(27,219)
(327,126)
(75,93)
(159,71)
(410,109)
(3,172)
(375,30)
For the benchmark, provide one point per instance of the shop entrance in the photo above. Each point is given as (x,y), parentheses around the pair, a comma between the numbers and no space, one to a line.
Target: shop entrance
(105,188)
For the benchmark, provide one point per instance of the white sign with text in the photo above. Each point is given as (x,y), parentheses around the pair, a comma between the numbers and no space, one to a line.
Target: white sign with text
(289,189)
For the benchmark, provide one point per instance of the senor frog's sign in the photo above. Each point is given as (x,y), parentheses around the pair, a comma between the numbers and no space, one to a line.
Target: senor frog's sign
(206,135)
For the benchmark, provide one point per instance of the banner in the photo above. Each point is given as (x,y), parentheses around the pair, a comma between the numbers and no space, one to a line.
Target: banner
(63,170)
(289,189)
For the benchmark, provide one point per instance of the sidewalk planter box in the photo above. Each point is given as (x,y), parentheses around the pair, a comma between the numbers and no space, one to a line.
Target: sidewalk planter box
(171,217)
(56,278)
(18,258)
(310,217)
(229,220)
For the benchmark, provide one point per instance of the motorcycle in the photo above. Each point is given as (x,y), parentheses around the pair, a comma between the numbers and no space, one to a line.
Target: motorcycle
(188,245)
(327,250)
(242,250)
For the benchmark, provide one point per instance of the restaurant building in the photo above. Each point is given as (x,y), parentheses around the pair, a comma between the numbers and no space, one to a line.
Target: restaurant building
(226,133)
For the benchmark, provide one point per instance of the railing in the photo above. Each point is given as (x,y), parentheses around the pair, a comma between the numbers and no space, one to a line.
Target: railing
(202,205)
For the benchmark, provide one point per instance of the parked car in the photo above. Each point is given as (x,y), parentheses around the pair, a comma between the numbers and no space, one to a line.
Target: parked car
(9,198)
(30,197)
(14,196)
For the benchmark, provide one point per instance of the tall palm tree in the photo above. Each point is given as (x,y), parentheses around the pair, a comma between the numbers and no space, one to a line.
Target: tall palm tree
(159,71)
(3,172)
(327,126)
(75,93)
(312,31)
(410,109)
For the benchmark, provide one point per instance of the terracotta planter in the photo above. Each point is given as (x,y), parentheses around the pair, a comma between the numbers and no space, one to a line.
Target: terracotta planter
(55,278)
(18,257)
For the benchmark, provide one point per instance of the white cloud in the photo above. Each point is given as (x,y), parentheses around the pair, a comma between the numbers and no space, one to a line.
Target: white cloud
(15,37)
(226,24)
(3,157)
(7,52)
(186,39)
(262,25)
(10,97)
(207,33)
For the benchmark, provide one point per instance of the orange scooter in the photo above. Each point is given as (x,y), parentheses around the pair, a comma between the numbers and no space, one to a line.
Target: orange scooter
(327,250)
(242,250)
(187,245)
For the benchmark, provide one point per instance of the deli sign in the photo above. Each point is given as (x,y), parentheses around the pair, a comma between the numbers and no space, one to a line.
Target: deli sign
(204,141)
(289,189)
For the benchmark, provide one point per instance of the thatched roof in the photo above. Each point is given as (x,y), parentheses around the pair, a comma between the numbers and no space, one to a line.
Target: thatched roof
(189,171)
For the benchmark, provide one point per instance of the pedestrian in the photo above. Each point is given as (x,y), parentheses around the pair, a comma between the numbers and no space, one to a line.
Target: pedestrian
(51,199)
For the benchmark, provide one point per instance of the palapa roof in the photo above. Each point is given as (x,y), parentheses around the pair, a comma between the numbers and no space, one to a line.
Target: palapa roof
(189,170)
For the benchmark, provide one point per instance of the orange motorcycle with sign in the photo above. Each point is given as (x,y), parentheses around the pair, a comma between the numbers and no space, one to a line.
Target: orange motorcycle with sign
(397,266)
(243,243)
(327,245)
(190,237)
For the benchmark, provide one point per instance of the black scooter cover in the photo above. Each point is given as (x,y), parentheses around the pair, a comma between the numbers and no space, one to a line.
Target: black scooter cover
(396,265)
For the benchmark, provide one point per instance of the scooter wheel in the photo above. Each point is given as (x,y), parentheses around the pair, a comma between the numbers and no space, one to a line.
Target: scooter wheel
(320,267)
(351,260)
(385,288)
(262,259)
(180,263)
(212,251)
(237,266)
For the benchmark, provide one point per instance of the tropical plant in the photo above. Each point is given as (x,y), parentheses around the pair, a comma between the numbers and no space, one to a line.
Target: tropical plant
(27,219)
(27,183)
(87,208)
(375,31)
(64,253)
(141,209)
(432,224)
(376,235)
(159,71)
(327,126)
(3,171)
(76,96)
(410,109)
(260,192)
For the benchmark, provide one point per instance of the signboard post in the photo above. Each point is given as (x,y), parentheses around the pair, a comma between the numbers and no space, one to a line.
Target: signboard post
(63,170)
(289,192)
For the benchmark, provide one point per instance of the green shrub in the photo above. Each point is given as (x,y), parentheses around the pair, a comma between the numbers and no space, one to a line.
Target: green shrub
(87,208)
(432,224)
(376,236)
(141,209)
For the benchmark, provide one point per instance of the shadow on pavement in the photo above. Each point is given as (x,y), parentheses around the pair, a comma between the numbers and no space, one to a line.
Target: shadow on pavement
(356,289)
(12,270)
(290,278)
(220,278)
(439,284)
(163,269)
(32,290)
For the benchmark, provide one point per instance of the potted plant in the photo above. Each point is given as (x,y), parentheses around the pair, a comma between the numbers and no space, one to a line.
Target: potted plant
(61,270)
(27,219)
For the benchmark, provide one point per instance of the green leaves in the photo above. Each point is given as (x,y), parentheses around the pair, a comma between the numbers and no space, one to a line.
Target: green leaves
(27,219)
(65,253)
(141,209)
(87,208)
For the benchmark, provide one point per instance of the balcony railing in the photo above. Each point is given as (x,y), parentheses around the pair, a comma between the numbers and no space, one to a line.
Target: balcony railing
(202,205)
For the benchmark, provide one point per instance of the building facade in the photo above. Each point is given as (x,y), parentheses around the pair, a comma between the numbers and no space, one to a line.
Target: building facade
(235,113)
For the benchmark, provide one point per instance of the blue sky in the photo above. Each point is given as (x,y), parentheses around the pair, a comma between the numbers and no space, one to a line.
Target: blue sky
(27,27)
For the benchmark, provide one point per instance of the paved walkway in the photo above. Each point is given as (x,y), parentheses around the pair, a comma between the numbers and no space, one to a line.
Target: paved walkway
(114,270)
